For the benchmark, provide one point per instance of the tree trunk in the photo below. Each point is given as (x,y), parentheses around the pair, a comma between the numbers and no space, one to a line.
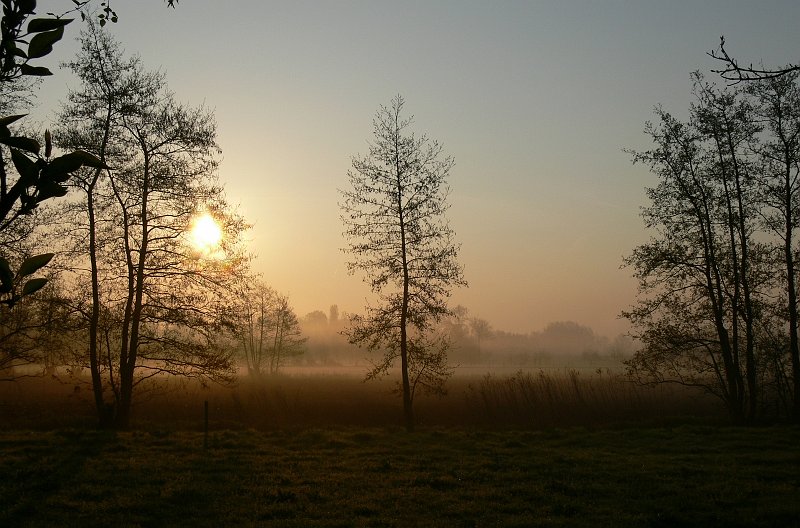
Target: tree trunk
(128,361)
(408,410)
(791,291)
(732,381)
(794,353)
(104,411)
(103,415)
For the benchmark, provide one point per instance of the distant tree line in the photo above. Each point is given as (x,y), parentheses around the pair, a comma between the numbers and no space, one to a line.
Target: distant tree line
(475,342)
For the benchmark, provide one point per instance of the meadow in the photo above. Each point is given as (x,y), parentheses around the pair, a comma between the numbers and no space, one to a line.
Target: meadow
(309,397)
(683,476)
(529,449)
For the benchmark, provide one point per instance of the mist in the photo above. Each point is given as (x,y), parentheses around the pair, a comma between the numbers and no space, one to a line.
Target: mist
(477,346)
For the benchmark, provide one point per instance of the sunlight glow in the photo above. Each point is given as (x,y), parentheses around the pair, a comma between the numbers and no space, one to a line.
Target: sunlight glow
(205,235)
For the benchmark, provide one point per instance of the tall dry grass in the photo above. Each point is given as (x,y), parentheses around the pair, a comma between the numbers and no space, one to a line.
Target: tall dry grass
(525,400)
(546,399)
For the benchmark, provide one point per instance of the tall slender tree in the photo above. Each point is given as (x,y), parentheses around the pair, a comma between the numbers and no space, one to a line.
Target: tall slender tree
(400,239)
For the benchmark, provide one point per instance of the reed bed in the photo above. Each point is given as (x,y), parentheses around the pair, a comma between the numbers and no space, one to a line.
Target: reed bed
(533,399)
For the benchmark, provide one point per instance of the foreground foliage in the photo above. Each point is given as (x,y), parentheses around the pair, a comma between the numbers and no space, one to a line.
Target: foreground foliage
(687,476)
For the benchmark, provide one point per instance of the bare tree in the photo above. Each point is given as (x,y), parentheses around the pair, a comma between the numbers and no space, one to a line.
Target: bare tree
(399,237)
(481,329)
(733,71)
(705,275)
(157,305)
(267,328)
(777,103)
(287,340)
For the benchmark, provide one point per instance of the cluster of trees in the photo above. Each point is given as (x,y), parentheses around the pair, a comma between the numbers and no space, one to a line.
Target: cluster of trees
(267,328)
(718,303)
(476,342)
(128,297)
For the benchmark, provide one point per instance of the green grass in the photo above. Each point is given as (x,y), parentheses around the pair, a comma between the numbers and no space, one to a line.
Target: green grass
(682,476)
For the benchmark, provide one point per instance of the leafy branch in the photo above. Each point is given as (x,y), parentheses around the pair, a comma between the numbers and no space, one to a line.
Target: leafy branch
(38,178)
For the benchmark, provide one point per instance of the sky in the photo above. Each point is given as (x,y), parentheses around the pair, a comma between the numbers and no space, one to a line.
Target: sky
(535,101)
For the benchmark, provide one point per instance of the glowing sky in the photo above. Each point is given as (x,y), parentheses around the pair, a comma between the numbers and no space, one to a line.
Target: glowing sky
(535,101)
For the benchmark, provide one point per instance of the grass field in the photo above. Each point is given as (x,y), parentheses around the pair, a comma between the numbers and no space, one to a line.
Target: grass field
(685,476)
(524,400)
(532,449)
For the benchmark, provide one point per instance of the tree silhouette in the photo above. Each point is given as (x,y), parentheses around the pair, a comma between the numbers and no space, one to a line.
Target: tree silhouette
(165,302)
(717,307)
(22,40)
(399,237)
(267,327)
(733,71)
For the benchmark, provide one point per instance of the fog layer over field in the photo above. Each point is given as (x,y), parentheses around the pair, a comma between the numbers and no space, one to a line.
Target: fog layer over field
(477,348)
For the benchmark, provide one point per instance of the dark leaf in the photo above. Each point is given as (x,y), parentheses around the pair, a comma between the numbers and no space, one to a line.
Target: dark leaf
(20,142)
(27,169)
(32,286)
(89,160)
(49,189)
(7,120)
(34,71)
(48,144)
(6,276)
(38,25)
(63,164)
(42,43)
(27,6)
(34,263)
(58,177)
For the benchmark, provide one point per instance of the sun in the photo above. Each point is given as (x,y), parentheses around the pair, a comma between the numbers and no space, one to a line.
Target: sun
(205,234)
